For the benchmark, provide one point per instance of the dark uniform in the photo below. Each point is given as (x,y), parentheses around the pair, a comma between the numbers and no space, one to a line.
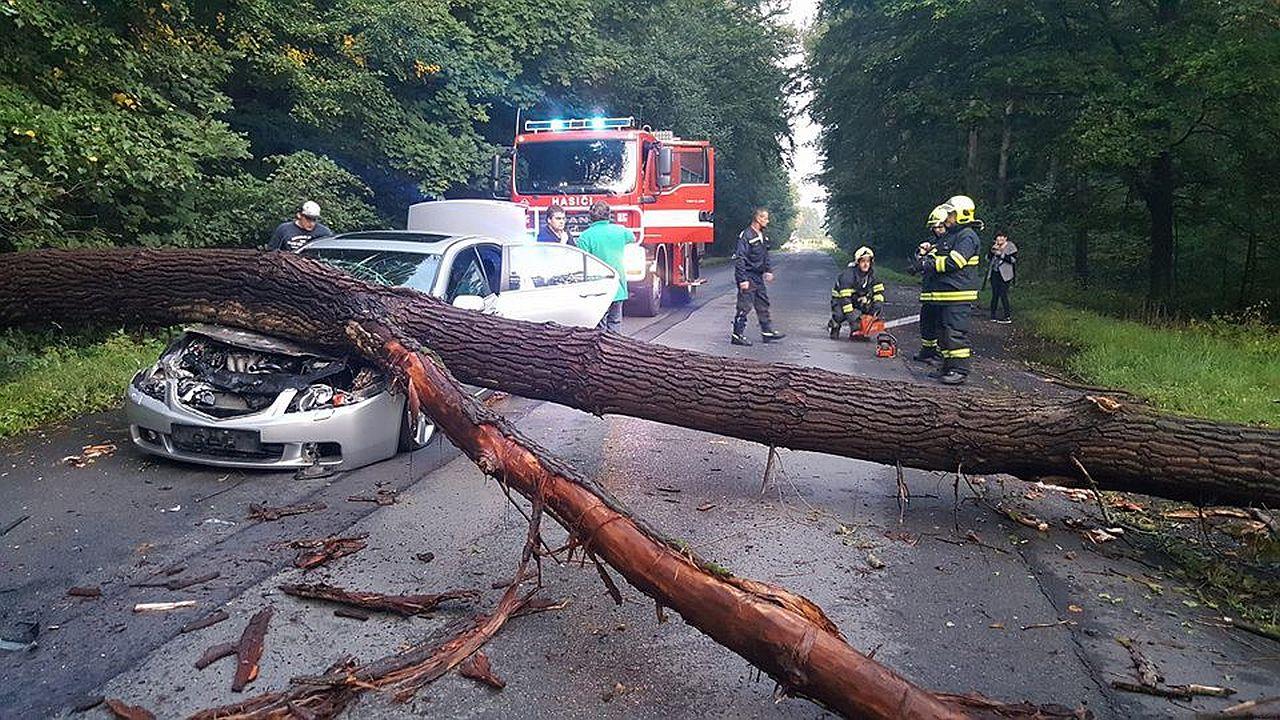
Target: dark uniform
(751,262)
(855,293)
(929,319)
(950,286)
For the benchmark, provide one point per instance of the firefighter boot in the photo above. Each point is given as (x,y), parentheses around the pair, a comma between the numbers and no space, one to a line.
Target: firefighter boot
(927,355)
(834,328)
(771,335)
(739,336)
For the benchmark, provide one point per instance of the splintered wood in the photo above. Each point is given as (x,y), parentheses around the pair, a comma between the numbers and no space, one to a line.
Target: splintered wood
(405,605)
(266,513)
(317,552)
(249,649)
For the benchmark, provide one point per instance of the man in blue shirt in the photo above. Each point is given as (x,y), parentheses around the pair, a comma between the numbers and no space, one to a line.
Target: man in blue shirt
(555,229)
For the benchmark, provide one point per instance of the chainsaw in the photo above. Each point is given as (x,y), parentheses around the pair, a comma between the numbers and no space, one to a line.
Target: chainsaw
(886,345)
(868,327)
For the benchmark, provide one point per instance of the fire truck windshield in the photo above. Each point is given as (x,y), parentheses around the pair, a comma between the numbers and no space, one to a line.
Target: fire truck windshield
(576,166)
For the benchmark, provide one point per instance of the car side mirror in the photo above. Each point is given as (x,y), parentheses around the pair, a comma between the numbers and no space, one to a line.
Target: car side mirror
(469,302)
(664,167)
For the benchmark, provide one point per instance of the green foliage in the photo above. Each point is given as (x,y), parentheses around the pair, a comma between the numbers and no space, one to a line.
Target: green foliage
(172,122)
(704,69)
(53,376)
(1115,123)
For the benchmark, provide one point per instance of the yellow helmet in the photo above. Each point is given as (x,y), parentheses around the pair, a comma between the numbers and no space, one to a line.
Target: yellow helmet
(863,252)
(964,207)
(939,215)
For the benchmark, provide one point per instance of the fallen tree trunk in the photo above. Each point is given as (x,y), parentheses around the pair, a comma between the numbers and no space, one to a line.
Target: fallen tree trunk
(1120,445)
(783,634)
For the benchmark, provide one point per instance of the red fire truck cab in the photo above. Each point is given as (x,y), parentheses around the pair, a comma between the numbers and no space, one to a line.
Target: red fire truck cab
(660,186)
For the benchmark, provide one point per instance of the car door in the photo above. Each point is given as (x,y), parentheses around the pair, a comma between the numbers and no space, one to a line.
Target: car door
(474,269)
(547,282)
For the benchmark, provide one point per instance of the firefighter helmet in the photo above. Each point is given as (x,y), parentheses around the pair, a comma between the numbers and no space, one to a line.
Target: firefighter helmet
(964,208)
(863,252)
(939,215)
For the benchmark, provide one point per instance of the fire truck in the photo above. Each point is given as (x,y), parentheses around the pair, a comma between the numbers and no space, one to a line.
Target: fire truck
(660,186)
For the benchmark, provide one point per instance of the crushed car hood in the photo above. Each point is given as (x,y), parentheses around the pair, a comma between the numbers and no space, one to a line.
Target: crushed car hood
(255,341)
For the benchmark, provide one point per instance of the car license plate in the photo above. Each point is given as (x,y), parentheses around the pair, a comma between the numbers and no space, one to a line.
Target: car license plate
(216,440)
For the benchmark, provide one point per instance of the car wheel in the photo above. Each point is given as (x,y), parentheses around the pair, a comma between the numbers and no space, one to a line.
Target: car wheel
(648,300)
(415,435)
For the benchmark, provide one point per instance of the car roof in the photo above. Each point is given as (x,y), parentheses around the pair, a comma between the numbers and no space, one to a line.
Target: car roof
(410,241)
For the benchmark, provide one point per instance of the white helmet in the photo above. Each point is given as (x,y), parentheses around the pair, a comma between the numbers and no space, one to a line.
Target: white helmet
(862,252)
(311,209)
(964,207)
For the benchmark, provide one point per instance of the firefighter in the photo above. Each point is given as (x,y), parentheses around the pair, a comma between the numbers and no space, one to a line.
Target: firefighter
(857,293)
(951,282)
(929,320)
(752,269)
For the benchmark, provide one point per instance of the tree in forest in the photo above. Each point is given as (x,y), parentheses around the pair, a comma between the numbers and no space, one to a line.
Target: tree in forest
(1108,132)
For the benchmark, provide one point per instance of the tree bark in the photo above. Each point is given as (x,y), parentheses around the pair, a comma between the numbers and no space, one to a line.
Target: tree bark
(1080,254)
(1158,193)
(1122,446)
(1250,267)
(1002,170)
(972,178)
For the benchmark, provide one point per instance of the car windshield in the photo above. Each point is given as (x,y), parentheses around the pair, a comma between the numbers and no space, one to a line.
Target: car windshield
(576,166)
(383,267)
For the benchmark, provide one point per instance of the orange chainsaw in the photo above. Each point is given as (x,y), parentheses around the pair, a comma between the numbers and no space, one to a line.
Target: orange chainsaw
(869,326)
(886,344)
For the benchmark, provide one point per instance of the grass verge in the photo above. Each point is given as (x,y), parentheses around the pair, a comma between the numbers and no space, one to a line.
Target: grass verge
(52,376)
(1222,369)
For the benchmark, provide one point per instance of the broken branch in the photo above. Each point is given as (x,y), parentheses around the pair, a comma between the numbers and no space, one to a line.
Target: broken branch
(405,605)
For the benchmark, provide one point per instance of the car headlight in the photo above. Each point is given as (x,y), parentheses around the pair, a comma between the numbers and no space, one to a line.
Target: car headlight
(151,382)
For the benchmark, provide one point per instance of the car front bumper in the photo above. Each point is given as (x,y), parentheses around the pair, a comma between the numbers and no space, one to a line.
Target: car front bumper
(343,437)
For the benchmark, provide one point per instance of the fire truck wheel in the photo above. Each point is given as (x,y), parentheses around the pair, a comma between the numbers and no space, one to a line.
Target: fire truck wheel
(646,297)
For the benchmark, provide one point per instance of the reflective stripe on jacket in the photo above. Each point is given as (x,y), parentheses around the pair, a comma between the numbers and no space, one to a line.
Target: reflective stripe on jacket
(950,270)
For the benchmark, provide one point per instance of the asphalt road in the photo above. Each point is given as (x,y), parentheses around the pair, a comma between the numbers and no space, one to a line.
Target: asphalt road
(945,610)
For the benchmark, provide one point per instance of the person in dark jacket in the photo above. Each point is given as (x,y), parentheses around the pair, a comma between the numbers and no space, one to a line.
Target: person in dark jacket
(857,292)
(951,283)
(751,270)
(1001,260)
(556,227)
(930,321)
(293,235)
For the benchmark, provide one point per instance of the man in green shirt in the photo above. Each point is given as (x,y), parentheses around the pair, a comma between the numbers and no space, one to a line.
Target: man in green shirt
(608,240)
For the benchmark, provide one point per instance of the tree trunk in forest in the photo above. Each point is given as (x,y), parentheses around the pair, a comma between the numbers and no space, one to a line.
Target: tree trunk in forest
(1002,170)
(1080,252)
(1158,193)
(972,178)
(1250,267)
(1080,241)
(1121,446)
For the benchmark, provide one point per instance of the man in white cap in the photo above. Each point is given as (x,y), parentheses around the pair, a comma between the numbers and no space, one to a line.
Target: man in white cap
(293,235)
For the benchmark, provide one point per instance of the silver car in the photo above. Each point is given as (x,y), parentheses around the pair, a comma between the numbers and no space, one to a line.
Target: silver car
(228,397)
